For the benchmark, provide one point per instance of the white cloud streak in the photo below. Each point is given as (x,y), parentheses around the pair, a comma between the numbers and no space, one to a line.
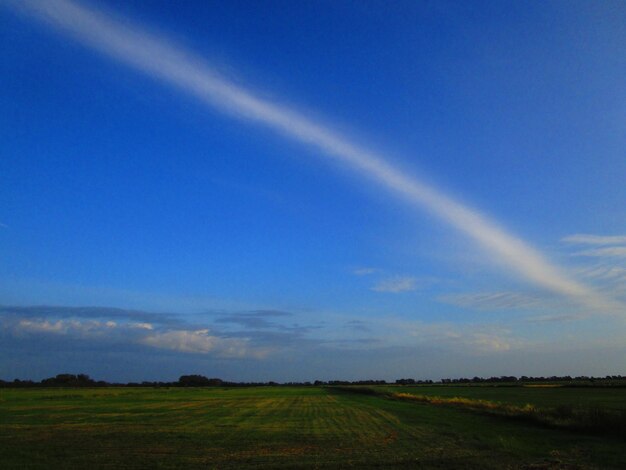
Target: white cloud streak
(557,318)
(605,273)
(363,271)
(472,339)
(493,300)
(609,251)
(157,58)
(586,239)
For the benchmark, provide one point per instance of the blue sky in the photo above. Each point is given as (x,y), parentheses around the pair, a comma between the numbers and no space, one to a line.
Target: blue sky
(293,191)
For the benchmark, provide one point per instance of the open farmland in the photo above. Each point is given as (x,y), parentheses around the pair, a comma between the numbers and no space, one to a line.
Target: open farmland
(263,427)
(541,395)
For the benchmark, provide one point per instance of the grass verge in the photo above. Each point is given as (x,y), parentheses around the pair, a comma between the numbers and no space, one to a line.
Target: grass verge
(577,418)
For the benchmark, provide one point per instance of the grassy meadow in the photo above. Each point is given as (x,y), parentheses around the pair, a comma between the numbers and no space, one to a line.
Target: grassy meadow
(541,395)
(287,427)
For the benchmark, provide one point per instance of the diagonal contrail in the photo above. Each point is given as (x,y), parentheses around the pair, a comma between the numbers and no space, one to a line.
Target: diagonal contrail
(156,57)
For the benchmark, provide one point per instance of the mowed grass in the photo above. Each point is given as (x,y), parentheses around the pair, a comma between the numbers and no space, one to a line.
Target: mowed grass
(273,427)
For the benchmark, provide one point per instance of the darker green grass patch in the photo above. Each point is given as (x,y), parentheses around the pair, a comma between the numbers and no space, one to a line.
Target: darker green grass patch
(585,414)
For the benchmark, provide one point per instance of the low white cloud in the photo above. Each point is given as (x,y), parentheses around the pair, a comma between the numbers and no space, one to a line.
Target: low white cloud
(489,343)
(198,341)
(433,337)
(201,342)
(30,326)
(64,327)
(473,339)
(588,239)
(396,285)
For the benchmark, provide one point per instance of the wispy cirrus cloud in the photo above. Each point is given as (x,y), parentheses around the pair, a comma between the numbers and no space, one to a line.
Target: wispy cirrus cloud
(609,251)
(556,318)
(588,239)
(357,325)
(109,313)
(258,319)
(396,285)
(363,271)
(606,246)
(493,300)
(604,272)
(158,58)
(603,261)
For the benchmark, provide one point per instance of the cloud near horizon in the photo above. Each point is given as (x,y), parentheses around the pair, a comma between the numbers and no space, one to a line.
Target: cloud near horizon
(160,59)
(202,342)
(120,330)
(245,341)
(92,344)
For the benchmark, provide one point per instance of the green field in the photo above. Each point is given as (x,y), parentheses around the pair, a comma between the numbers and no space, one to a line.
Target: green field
(274,427)
(613,398)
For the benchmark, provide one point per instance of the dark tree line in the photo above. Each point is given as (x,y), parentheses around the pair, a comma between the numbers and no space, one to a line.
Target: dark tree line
(83,380)
(524,379)
(195,380)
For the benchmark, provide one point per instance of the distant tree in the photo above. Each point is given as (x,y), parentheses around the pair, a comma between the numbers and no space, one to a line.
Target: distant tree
(405,381)
(20,383)
(198,381)
(68,380)
(193,381)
